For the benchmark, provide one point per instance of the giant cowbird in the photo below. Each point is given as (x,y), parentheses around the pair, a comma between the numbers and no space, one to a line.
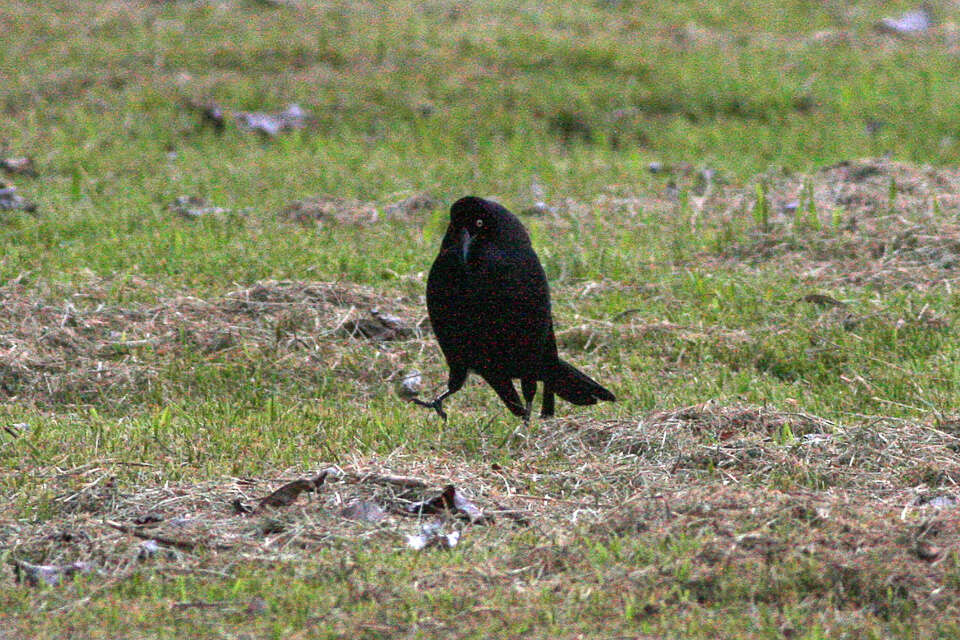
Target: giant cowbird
(489,306)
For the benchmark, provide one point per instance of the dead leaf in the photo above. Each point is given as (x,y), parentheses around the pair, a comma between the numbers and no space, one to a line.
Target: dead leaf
(288,493)
(11,201)
(926,551)
(48,574)
(148,518)
(364,511)
(538,209)
(391,322)
(380,326)
(453,501)
(941,501)
(240,508)
(431,536)
(271,124)
(22,165)
(151,548)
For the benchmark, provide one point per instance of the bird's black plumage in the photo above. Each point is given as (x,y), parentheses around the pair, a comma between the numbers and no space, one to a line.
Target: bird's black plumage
(489,307)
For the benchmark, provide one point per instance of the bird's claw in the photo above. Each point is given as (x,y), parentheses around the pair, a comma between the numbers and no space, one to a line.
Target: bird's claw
(436,405)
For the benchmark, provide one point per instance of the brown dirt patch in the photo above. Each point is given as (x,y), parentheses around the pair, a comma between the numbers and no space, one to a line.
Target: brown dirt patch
(83,350)
(874,222)
(326,209)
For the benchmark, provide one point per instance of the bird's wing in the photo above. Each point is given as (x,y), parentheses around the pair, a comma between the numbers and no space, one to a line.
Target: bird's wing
(450,307)
(514,282)
(512,312)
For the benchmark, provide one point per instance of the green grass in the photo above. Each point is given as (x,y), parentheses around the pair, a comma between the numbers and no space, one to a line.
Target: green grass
(453,98)
(101,106)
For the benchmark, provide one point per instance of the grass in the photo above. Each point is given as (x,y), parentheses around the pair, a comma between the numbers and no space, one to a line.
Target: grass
(778,463)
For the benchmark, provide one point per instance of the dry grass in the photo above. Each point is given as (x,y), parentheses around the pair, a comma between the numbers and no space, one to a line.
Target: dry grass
(867,222)
(82,349)
(863,515)
(874,502)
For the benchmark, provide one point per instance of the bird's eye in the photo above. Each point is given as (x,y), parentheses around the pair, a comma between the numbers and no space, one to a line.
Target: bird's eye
(479,222)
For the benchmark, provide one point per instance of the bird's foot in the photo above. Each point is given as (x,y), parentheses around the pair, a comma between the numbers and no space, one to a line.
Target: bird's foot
(436,405)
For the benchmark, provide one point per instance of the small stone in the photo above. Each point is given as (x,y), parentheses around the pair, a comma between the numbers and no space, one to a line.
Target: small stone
(192,207)
(538,209)
(22,165)
(271,124)
(789,208)
(10,200)
(410,385)
(148,549)
(911,22)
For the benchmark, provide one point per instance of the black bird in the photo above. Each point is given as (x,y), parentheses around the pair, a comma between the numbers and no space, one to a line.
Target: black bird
(489,306)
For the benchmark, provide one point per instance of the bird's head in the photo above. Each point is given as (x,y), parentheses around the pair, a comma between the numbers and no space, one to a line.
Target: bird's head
(475,222)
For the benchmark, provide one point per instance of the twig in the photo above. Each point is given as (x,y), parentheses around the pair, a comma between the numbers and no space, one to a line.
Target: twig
(201,604)
(400,481)
(576,503)
(104,461)
(186,545)
(625,313)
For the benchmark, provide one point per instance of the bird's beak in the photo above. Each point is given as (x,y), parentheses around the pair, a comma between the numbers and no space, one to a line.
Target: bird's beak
(465,240)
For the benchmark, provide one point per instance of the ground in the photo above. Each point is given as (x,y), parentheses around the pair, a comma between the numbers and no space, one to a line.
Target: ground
(212,319)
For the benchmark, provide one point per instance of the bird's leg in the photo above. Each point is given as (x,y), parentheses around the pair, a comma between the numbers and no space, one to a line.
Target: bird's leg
(458,375)
(505,389)
(547,402)
(436,404)
(528,387)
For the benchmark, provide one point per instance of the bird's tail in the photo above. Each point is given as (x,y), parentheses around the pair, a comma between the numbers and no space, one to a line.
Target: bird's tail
(575,386)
